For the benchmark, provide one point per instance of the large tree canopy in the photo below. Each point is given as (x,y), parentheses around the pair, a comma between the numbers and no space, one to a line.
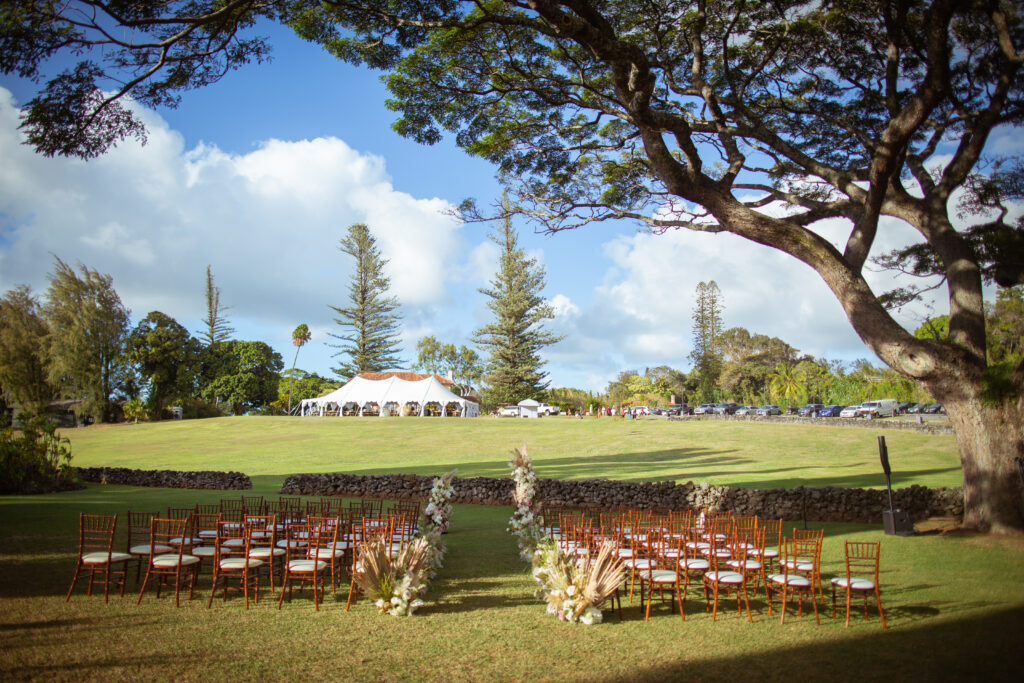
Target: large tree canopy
(759,119)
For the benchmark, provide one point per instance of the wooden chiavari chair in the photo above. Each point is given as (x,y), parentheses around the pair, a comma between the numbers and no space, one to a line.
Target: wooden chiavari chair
(862,560)
(96,554)
(797,574)
(233,564)
(177,564)
(138,539)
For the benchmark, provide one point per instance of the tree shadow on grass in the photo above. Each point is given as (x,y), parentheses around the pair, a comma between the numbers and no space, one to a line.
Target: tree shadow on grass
(982,647)
(633,467)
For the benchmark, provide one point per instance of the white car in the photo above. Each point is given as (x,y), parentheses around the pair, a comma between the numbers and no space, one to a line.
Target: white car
(509,411)
(545,409)
(850,411)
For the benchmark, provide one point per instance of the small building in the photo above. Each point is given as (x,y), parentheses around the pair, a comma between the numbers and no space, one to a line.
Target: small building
(529,408)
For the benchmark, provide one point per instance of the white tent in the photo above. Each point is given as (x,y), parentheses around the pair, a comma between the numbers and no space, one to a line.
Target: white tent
(391,393)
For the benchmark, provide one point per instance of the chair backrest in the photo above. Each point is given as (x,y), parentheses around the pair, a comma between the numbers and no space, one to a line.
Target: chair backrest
(179,513)
(232,509)
(296,537)
(96,533)
(206,522)
(232,540)
(138,526)
(254,505)
(262,529)
(862,558)
(772,531)
(809,534)
(207,508)
(167,533)
(802,556)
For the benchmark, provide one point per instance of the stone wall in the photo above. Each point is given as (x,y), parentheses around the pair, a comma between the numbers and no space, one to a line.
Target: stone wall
(831,504)
(235,481)
(926,427)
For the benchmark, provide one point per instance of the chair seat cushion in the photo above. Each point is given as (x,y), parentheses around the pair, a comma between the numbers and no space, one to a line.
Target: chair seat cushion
(264,553)
(204,551)
(799,565)
(663,576)
(624,552)
(306,566)
(855,584)
(695,564)
(291,544)
(234,542)
(144,549)
(638,563)
(725,577)
(104,558)
(187,541)
(240,563)
(325,553)
(749,565)
(207,533)
(171,560)
(792,581)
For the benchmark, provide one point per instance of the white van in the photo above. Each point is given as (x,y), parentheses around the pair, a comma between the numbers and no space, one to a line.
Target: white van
(884,407)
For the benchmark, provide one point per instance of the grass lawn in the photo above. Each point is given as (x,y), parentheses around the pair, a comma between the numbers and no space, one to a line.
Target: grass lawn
(755,455)
(955,603)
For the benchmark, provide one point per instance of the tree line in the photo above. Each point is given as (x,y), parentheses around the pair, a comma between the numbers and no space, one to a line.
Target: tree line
(76,342)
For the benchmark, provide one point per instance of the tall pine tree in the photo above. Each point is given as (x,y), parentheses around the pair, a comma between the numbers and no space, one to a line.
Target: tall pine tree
(216,327)
(372,344)
(707,334)
(515,338)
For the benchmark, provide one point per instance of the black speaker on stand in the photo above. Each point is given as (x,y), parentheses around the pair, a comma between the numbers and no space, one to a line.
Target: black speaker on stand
(895,522)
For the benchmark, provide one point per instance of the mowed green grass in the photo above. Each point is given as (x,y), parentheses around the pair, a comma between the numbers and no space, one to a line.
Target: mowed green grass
(755,455)
(955,603)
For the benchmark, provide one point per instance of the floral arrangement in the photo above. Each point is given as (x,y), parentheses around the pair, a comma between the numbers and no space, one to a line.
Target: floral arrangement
(434,519)
(394,584)
(574,589)
(525,523)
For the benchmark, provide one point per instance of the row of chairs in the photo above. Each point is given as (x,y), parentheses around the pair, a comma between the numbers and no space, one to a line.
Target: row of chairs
(668,552)
(295,546)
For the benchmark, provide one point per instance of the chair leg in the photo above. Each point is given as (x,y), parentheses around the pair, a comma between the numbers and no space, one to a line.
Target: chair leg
(878,603)
(74,580)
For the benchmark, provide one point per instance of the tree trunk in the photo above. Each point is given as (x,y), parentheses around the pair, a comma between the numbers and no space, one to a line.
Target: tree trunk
(991,438)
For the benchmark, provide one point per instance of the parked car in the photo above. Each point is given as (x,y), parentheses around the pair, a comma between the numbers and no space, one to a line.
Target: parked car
(726,408)
(902,408)
(850,411)
(705,409)
(917,408)
(509,411)
(933,409)
(769,410)
(747,410)
(810,409)
(791,410)
(884,407)
(832,410)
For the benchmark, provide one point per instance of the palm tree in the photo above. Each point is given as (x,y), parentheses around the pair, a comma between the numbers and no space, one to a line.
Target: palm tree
(787,385)
(300,336)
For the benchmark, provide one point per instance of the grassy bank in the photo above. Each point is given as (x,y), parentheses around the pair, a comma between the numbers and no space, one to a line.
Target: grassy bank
(752,455)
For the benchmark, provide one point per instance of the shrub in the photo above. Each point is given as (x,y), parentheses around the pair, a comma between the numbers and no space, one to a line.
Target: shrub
(36,459)
(134,410)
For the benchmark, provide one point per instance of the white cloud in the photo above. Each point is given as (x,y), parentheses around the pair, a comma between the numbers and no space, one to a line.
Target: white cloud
(268,222)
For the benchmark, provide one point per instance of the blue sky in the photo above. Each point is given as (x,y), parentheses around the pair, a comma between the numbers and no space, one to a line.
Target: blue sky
(260,175)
